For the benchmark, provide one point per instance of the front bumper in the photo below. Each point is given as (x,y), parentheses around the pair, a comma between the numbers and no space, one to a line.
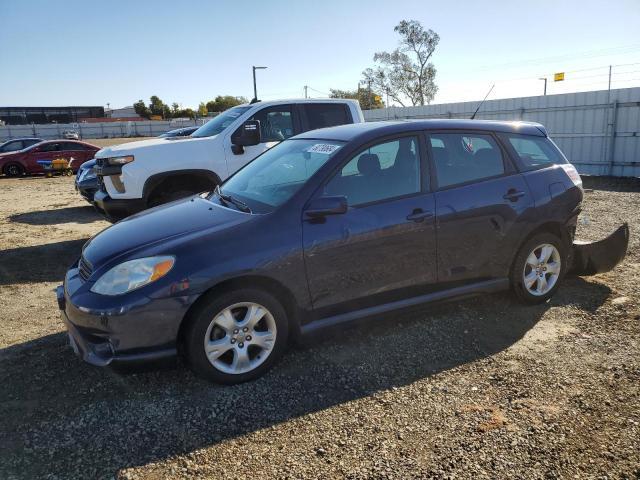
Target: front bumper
(117,209)
(87,190)
(590,258)
(122,333)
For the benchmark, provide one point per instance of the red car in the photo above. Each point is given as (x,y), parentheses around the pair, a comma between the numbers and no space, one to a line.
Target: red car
(18,163)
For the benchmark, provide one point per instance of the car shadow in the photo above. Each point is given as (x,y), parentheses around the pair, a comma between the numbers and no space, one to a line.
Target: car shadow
(38,263)
(85,214)
(62,416)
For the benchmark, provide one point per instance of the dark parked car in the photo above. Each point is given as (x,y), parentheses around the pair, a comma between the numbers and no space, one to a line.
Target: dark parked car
(87,180)
(324,228)
(30,159)
(16,144)
(180,132)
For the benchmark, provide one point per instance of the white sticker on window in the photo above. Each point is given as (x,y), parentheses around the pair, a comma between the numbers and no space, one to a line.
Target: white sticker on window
(325,148)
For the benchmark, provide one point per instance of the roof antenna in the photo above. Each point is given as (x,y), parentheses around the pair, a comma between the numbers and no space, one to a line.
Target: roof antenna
(485,97)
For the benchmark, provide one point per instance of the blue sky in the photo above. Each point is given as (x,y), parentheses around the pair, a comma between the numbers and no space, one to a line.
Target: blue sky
(98,52)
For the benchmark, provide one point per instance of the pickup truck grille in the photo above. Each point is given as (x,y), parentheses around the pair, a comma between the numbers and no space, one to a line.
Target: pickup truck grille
(84,269)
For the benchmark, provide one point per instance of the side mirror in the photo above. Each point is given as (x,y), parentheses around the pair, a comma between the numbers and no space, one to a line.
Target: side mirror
(248,134)
(323,206)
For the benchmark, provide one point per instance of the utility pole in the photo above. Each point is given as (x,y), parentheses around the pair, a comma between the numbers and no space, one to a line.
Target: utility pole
(369,99)
(255,89)
(609,79)
(305,91)
(545,84)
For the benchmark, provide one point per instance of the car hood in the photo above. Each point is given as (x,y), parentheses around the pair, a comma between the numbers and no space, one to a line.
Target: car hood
(152,145)
(158,225)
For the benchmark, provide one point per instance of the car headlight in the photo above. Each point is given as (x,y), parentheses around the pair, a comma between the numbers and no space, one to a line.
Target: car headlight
(120,160)
(88,174)
(133,274)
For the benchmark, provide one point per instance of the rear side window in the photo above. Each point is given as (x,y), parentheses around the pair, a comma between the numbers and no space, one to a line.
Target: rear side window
(465,157)
(321,115)
(535,152)
(50,147)
(72,146)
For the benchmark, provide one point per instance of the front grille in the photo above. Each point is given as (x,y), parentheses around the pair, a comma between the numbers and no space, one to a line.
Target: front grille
(84,269)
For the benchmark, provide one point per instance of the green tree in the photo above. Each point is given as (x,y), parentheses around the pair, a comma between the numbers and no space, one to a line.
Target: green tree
(202,110)
(407,73)
(367,101)
(141,109)
(157,107)
(224,102)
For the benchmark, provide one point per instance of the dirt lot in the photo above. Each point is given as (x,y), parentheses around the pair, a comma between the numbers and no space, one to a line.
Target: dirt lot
(482,388)
(107,142)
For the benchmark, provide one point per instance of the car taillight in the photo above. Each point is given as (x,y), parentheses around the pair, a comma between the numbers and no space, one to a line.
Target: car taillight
(573,174)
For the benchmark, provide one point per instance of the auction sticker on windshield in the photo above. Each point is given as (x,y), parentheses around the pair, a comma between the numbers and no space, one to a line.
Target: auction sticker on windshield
(325,148)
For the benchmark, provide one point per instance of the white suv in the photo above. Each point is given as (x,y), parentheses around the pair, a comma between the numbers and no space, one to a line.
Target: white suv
(139,175)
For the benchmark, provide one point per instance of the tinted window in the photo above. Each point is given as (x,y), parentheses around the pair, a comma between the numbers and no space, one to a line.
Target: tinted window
(383,171)
(12,146)
(320,115)
(72,146)
(276,123)
(50,147)
(465,157)
(535,152)
(277,174)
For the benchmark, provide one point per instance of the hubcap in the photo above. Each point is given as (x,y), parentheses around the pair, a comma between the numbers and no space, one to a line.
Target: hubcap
(240,338)
(542,269)
(13,170)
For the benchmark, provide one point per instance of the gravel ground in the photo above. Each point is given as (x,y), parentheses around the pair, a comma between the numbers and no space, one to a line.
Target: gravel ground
(481,388)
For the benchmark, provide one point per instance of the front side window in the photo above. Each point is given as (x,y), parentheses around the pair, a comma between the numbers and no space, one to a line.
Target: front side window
(276,123)
(465,157)
(321,115)
(383,171)
(218,124)
(535,152)
(273,177)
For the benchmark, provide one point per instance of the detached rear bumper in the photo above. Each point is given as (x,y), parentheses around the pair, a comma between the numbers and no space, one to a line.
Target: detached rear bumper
(601,256)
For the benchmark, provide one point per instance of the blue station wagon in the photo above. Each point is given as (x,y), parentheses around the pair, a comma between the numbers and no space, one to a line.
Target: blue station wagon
(327,227)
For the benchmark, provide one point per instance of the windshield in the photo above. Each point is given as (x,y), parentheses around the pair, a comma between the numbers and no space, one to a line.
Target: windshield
(217,124)
(273,177)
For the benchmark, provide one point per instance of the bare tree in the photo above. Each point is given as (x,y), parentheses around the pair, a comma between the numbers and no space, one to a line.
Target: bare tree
(407,73)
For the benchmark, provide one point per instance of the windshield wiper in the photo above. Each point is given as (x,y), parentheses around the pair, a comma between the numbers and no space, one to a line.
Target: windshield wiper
(229,199)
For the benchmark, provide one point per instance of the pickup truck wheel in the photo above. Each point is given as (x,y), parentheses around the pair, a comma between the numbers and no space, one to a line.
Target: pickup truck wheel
(539,268)
(236,336)
(13,170)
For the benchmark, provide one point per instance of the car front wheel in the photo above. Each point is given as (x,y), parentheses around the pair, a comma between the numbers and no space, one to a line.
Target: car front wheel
(14,170)
(539,268)
(236,336)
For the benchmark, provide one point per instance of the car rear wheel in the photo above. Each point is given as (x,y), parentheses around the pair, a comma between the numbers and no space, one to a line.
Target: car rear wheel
(539,268)
(14,170)
(236,336)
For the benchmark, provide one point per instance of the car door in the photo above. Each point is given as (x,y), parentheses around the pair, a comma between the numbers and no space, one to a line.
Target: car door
(277,123)
(480,203)
(73,152)
(383,248)
(46,152)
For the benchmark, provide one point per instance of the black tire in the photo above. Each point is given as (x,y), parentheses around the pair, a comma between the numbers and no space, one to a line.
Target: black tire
(203,316)
(518,271)
(14,170)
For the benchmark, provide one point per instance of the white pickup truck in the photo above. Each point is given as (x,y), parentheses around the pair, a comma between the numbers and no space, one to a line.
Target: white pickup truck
(139,175)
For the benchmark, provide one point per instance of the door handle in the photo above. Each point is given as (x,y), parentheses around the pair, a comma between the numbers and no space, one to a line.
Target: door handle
(513,195)
(418,215)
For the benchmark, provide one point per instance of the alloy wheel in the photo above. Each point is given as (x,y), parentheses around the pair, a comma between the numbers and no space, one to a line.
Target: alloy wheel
(240,338)
(542,269)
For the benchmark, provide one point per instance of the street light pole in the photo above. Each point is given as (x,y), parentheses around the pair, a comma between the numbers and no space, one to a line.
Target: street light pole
(545,84)
(255,89)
